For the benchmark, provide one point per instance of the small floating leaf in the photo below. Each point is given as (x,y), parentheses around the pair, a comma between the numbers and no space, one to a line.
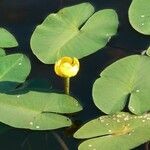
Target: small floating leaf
(74,31)
(125,79)
(37,111)
(7,40)
(139,16)
(13,70)
(119,131)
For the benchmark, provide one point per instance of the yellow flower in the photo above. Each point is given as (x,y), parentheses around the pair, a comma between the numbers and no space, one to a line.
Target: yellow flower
(67,67)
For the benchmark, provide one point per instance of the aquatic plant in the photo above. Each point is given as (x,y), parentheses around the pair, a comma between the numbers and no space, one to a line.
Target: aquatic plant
(121,90)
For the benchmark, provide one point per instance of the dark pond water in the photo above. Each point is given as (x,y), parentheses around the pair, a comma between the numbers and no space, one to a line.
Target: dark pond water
(20,18)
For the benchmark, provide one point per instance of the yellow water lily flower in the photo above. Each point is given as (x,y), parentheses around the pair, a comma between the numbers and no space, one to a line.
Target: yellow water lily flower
(67,67)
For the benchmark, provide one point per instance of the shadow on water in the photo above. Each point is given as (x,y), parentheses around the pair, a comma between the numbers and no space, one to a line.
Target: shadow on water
(21,18)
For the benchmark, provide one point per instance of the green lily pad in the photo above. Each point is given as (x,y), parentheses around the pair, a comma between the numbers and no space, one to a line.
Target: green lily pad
(139,16)
(74,31)
(121,131)
(14,69)
(126,79)
(7,40)
(2,52)
(37,111)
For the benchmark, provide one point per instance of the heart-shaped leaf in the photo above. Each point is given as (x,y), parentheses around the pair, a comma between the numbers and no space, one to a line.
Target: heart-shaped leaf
(37,111)
(139,16)
(119,131)
(2,52)
(126,79)
(13,70)
(7,40)
(74,31)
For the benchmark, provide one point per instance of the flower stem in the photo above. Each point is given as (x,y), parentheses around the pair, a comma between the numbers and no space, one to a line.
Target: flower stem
(147,146)
(61,141)
(67,86)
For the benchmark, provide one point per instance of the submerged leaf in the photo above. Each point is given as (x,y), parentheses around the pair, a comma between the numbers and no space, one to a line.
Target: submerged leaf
(14,69)
(4,128)
(121,131)
(148,51)
(126,79)
(74,31)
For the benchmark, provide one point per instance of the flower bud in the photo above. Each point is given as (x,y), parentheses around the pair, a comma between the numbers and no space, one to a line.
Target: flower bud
(67,67)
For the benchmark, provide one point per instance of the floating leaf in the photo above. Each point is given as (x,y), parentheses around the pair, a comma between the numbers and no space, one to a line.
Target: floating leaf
(2,52)
(119,131)
(37,111)
(74,31)
(139,16)
(126,79)
(13,70)
(7,40)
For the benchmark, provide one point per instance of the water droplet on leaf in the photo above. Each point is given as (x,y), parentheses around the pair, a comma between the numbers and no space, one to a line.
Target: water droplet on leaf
(37,127)
(31,123)
(118,120)
(142,16)
(90,145)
